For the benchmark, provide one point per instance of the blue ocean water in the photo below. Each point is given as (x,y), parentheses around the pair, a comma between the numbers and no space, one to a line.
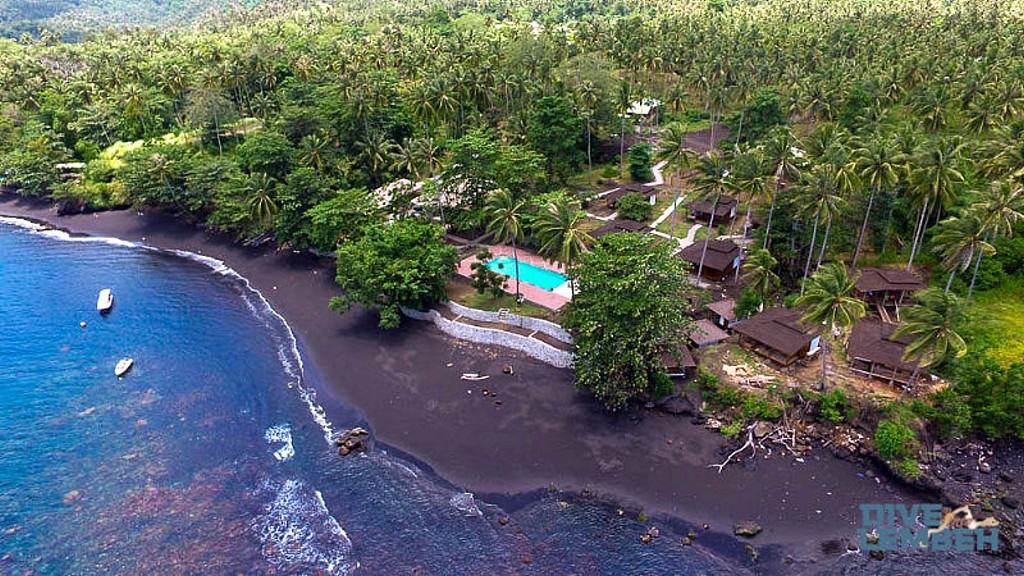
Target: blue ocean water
(212,455)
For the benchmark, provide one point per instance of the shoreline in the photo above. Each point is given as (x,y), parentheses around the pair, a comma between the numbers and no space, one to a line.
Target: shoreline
(543,434)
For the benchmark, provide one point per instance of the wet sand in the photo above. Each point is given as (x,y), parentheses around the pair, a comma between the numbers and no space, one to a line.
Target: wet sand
(544,433)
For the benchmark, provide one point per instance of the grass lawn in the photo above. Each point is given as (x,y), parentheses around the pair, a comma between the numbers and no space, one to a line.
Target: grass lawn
(997,321)
(464,294)
(591,179)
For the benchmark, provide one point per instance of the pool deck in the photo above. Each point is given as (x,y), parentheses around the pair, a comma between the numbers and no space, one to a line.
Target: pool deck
(552,300)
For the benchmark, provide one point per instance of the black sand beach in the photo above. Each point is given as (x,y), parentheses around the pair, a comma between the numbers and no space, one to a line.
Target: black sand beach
(542,434)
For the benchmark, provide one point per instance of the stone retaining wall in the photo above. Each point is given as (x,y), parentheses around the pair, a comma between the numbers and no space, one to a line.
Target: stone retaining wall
(481,335)
(528,322)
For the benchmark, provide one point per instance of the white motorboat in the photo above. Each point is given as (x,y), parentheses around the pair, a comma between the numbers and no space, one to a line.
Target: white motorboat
(105,300)
(123,366)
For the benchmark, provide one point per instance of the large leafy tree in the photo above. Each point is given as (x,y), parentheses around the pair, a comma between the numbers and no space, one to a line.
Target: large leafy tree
(556,132)
(404,264)
(630,310)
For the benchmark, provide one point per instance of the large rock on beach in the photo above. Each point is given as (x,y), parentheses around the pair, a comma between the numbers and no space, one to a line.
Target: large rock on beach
(351,441)
(747,529)
(679,406)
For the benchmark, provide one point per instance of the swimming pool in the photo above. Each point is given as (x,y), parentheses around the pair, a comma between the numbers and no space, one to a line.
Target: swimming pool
(540,277)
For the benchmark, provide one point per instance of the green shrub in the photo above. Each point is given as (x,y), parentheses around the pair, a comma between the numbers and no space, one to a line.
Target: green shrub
(834,406)
(732,429)
(790,300)
(894,440)
(747,305)
(760,408)
(640,162)
(908,467)
(662,385)
(634,206)
(610,171)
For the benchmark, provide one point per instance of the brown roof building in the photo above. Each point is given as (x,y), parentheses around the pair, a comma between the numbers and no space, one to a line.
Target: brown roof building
(778,334)
(680,364)
(886,285)
(705,333)
(873,352)
(723,312)
(622,225)
(725,209)
(646,190)
(720,261)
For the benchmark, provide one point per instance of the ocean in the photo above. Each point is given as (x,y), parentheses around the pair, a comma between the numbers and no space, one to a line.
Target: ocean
(213,455)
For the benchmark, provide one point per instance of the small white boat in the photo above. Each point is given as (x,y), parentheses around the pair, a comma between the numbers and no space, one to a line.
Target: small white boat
(123,366)
(105,300)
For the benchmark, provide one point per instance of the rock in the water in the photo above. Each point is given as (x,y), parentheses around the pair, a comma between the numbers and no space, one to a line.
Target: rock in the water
(762,429)
(984,467)
(962,475)
(747,528)
(352,441)
(72,496)
(503,520)
(1010,502)
(507,369)
(877,554)
(752,552)
(1006,477)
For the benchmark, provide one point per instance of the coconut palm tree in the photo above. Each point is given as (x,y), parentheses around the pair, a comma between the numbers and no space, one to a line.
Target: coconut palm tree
(784,158)
(674,150)
(958,240)
(820,199)
(931,325)
(559,229)
(829,300)
(261,205)
(759,273)
(711,183)
(878,165)
(1000,208)
(505,222)
(935,179)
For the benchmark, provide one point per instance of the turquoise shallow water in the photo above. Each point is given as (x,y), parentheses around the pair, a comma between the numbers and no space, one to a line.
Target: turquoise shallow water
(212,456)
(540,277)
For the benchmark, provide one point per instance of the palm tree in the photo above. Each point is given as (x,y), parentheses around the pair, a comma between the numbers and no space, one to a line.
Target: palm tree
(313,152)
(759,273)
(828,300)
(751,176)
(261,206)
(1001,207)
(935,179)
(711,183)
(931,324)
(784,158)
(375,151)
(957,241)
(878,167)
(505,221)
(560,231)
(673,149)
(820,199)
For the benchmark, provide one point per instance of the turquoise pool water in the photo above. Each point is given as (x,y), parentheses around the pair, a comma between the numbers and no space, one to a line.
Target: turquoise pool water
(540,277)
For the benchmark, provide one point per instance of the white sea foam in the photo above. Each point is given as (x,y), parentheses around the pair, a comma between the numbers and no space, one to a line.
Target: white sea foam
(465,502)
(281,434)
(298,531)
(288,346)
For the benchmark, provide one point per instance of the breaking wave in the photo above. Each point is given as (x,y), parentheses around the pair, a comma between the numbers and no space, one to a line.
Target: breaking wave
(298,532)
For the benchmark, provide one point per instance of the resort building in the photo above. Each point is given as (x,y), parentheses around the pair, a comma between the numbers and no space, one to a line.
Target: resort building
(680,364)
(778,335)
(620,226)
(722,312)
(873,352)
(720,261)
(886,286)
(705,333)
(646,190)
(725,209)
(644,111)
